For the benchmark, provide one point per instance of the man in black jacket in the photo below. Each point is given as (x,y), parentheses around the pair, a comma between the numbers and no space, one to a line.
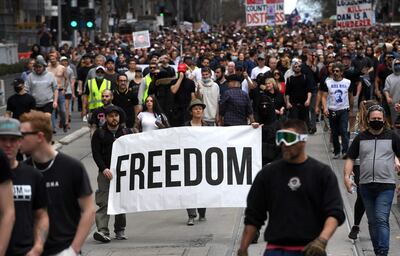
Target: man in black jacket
(309,209)
(102,141)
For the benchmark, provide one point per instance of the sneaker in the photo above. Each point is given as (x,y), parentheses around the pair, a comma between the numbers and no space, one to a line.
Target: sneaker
(354,232)
(336,156)
(101,237)
(202,218)
(190,221)
(120,235)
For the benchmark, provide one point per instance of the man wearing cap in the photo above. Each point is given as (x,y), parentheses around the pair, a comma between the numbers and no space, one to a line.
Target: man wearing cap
(93,91)
(261,68)
(20,102)
(42,85)
(235,106)
(7,212)
(102,141)
(31,222)
(70,203)
(183,90)
(111,74)
(309,209)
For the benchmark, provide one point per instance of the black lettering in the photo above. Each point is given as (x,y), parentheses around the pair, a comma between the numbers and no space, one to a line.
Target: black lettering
(220,166)
(138,171)
(199,166)
(245,165)
(169,168)
(119,172)
(152,169)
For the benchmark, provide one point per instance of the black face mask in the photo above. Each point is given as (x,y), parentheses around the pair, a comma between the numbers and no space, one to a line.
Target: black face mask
(376,124)
(18,89)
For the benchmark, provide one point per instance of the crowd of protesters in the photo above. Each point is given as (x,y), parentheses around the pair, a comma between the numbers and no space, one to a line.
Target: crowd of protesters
(237,75)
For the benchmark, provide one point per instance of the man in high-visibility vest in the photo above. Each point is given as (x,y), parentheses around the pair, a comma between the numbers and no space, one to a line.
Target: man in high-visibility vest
(93,91)
(144,86)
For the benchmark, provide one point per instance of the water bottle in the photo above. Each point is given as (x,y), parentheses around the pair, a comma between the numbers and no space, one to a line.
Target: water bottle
(353,185)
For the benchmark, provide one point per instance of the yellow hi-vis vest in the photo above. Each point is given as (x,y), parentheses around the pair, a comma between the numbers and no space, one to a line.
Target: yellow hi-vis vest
(146,91)
(94,99)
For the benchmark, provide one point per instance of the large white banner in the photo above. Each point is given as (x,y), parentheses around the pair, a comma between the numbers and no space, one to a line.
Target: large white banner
(184,167)
(265,12)
(354,14)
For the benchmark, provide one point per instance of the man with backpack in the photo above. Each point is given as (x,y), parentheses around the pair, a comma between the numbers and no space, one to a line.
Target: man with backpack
(102,141)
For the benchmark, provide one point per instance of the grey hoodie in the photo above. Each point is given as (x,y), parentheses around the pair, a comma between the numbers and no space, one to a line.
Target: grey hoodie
(41,87)
(392,85)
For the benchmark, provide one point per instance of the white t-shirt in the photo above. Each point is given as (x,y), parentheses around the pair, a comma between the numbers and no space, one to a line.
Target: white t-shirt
(338,94)
(147,121)
(257,70)
(130,75)
(197,75)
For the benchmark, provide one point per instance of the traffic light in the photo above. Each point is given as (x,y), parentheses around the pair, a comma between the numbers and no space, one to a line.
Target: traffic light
(75,17)
(89,18)
(161,11)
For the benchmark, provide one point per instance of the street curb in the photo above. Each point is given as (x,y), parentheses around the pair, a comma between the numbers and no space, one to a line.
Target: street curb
(74,136)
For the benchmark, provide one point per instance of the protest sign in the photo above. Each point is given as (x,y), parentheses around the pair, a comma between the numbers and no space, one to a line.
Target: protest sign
(141,39)
(184,167)
(265,12)
(354,14)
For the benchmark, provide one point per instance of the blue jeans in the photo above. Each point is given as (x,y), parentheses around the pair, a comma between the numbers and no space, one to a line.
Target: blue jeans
(377,206)
(282,253)
(338,121)
(61,111)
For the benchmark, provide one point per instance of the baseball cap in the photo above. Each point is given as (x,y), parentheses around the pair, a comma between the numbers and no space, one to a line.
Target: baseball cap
(63,58)
(112,108)
(346,55)
(17,82)
(261,56)
(41,61)
(10,126)
(100,67)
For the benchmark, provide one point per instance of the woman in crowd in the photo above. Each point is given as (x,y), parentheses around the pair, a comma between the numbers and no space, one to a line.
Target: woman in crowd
(151,118)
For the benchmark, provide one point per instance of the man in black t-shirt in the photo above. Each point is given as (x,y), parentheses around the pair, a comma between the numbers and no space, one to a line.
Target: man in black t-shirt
(31,219)
(70,202)
(302,183)
(183,89)
(7,214)
(126,99)
(21,102)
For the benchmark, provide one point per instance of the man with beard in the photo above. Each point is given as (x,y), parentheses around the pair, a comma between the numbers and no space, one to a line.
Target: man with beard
(20,102)
(336,104)
(102,141)
(220,80)
(126,99)
(304,184)
(376,148)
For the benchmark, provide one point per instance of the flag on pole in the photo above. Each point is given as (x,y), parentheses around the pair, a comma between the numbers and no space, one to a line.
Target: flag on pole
(204,27)
(294,17)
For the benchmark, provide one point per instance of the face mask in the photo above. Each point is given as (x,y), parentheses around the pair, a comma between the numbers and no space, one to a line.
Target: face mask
(376,124)
(99,77)
(206,80)
(234,58)
(396,68)
(18,89)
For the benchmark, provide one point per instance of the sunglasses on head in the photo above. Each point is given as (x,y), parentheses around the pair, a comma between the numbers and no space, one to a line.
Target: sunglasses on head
(289,137)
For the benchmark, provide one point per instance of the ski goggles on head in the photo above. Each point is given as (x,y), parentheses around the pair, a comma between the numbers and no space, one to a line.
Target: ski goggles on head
(289,137)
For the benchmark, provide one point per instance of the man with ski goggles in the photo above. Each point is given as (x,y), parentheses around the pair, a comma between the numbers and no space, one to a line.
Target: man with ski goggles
(308,208)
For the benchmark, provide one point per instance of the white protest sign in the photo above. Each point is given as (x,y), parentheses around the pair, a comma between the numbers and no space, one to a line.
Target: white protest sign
(141,39)
(265,12)
(354,14)
(184,167)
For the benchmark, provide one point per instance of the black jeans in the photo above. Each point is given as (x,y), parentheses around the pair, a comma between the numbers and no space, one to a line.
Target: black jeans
(299,111)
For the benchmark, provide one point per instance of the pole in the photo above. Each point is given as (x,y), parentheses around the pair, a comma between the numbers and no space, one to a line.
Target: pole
(178,7)
(59,25)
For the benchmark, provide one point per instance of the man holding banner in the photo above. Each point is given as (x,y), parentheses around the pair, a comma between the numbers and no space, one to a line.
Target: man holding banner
(309,209)
(102,142)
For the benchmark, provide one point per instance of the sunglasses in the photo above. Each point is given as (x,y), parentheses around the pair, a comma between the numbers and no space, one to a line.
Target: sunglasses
(29,133)
(289,137)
